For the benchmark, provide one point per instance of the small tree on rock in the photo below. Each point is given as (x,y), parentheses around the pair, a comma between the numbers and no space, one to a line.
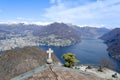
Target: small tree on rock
(70,60)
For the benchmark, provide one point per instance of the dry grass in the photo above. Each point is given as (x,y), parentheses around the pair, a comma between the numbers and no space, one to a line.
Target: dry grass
(18,61)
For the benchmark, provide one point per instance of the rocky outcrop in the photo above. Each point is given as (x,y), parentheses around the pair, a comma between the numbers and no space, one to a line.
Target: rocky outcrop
(21,60)
(62,73)
(112,39)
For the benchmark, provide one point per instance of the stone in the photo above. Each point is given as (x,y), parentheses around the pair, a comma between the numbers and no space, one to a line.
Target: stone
(49,60)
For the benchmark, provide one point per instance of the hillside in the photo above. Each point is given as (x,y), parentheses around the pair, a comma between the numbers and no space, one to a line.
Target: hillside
(112,39)
(92,32)
(61,73)
(29,64)
(59,31)
(16,62)
(55,34)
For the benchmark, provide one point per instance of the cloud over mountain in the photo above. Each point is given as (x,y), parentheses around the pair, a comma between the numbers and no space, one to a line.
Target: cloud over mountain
(91,12)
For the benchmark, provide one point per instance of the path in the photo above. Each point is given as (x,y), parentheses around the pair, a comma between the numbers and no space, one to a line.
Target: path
(30,73)
(45,67)
(106,74)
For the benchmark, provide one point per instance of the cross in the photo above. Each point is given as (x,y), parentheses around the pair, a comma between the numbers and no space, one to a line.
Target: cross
(49,51)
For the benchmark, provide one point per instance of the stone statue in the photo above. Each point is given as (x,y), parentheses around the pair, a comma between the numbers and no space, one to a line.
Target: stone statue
(49,60)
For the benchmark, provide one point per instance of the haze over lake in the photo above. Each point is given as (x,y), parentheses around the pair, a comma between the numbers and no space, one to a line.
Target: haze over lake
(89,51)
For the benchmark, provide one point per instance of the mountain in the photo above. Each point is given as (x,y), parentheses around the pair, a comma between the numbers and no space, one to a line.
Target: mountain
(92,32)
(21,60)
(112,39)
(59,31)
(55,34)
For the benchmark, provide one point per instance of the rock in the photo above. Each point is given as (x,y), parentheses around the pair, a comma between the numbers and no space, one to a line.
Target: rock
(21,60)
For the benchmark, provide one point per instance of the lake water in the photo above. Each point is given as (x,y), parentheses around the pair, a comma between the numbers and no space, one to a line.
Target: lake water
(89,51)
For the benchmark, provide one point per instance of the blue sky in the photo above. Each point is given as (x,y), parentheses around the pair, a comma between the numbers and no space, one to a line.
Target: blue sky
(99,13)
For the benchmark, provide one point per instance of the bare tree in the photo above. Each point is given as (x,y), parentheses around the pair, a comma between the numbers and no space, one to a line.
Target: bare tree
(107,63)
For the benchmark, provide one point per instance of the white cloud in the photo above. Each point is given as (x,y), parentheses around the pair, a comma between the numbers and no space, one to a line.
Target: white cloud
(25,22)
(100,12)
(41,23)
(29,21)
(8,22)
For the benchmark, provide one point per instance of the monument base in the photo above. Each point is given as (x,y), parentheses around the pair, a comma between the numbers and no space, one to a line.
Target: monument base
(49,61)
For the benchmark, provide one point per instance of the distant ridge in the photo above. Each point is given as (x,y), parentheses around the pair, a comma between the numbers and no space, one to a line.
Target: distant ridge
(54,34)
(61,31)
(112,39)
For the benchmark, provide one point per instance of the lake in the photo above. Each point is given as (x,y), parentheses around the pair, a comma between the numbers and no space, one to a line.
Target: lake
(89,51)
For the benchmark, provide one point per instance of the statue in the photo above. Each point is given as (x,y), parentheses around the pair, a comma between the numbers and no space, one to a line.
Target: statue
(49,60)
